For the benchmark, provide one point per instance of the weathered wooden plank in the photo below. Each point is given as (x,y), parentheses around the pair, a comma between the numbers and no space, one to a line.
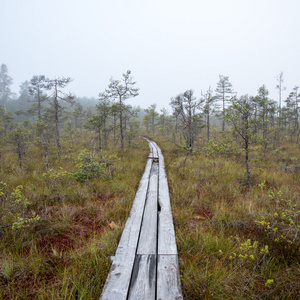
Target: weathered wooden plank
(151,151)
(143,282)
(146,261)
(154,149)
(166,234)
(118,280)
(148,235)
(164,197)
(130,235)
(168,278)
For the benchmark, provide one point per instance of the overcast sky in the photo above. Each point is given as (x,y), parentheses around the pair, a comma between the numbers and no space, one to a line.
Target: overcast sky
(169,45)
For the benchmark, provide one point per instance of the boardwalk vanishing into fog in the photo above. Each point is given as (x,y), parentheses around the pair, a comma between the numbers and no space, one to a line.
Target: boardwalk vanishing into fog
(145,265)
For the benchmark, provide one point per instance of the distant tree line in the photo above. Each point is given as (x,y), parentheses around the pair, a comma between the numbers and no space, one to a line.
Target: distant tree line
(44,114)
(44,107)
(251,120)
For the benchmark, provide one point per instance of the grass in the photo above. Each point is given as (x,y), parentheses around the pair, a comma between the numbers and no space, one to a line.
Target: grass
(65,255)
(224,252)
(214,215)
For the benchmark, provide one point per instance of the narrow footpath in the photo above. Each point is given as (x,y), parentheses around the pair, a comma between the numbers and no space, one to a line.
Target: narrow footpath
(145,265)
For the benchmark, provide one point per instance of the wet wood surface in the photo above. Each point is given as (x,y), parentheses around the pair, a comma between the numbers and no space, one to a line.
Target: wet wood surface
(145,265)
(148,235)
(143,283)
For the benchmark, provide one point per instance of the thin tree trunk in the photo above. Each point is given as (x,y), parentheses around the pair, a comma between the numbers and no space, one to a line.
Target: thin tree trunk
(153,126)
(223,113)
(190,146)
(121,125)
(247,163)
(39,103)
(56,123)
(114,132)
(208,128)
(20,154)
(105,137)
(99,136)
(46,158)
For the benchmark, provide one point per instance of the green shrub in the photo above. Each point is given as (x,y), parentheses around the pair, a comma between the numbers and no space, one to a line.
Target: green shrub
(88,167)
(281,227)
(13,209)
(248,258)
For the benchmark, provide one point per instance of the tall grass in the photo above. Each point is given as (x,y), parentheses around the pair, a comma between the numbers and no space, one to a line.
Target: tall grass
(225,249)
(65,255)
(222,248)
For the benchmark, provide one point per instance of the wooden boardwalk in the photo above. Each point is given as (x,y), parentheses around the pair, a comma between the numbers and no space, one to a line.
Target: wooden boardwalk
(145,265)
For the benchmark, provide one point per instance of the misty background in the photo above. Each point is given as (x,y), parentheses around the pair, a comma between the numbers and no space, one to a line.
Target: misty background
(170,46)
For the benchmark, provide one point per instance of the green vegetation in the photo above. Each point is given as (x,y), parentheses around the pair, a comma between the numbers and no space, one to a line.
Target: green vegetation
(68,179)
(236,242)
(59,229)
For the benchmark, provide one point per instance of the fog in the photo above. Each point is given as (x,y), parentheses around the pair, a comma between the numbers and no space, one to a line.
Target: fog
(170,46)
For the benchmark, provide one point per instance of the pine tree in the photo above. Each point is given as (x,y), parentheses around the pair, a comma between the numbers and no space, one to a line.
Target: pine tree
(224,92)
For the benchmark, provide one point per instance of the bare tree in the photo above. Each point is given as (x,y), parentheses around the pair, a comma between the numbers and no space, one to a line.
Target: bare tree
(185,106)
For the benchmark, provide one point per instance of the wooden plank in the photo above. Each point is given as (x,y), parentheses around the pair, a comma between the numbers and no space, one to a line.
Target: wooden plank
(147,250)
(130,235)
(168,278)
(164,196)
(148,236)
(143,282)
(166,234)
(154,149)
(118,280)
(151,151)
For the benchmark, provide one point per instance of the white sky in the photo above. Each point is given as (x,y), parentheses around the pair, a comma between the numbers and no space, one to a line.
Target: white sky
(169,45)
